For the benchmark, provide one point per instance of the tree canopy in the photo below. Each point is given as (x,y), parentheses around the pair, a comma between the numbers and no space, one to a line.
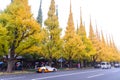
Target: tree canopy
(20,30)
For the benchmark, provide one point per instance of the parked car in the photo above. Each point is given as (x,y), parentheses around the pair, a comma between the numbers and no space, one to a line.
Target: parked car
(46,69)
(116,65)
(105,65)
(98,65)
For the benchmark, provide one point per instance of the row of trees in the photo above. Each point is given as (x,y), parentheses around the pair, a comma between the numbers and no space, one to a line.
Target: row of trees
(21,34)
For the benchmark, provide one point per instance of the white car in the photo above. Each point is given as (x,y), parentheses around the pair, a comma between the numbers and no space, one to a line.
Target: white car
(105,65)
(116,65)
(45,69)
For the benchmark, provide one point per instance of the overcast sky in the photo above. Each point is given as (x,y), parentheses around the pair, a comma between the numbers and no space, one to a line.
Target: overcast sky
(104,13)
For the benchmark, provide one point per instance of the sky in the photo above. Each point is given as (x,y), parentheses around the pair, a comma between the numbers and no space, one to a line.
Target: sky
(104,13)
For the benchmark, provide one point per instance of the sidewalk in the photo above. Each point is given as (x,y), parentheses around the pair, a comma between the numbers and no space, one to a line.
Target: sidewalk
(18,72)
(34,71)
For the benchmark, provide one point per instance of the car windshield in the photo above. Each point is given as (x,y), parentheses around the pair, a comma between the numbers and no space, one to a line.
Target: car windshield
(103,63)
(47,66)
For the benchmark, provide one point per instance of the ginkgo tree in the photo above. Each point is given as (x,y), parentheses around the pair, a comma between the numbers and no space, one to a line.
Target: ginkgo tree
(19,31)
(73,45)
(89,50)
(95,39)
(53,44)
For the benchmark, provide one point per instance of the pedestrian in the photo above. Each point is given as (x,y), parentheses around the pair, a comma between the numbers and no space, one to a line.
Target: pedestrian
(78,65)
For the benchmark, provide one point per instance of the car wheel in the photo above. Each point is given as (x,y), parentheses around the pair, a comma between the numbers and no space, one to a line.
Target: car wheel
(54,70)
(43,71)
(37,71)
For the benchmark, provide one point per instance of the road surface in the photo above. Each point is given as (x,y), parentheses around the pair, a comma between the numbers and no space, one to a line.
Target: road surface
(88,74)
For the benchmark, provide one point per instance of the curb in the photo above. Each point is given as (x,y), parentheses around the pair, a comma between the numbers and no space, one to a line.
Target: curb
(15,72)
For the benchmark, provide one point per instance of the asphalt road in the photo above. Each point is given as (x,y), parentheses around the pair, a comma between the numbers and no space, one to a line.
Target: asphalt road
(88,74)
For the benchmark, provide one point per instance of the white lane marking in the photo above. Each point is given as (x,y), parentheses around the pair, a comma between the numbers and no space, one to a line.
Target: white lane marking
(95,75)
(11,78)
(64,75)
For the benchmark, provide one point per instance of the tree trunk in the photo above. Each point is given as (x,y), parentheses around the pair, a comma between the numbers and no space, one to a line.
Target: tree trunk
(94,60)
(79,64)
(11,64)
(70,63)
(50,62)
(11,58)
